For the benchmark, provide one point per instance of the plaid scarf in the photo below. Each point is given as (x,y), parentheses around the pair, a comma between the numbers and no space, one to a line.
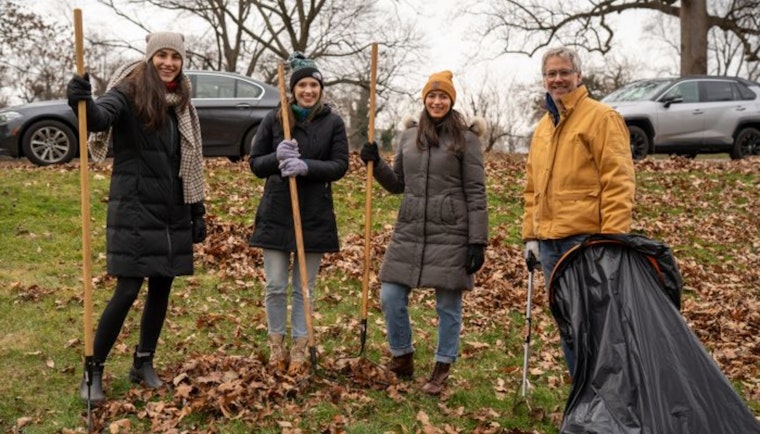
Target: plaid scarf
(191,155)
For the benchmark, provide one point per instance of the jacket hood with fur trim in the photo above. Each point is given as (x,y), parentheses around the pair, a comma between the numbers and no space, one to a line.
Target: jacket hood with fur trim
(476,124)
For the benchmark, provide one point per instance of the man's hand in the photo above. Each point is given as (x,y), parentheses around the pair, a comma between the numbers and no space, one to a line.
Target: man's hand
(532,254)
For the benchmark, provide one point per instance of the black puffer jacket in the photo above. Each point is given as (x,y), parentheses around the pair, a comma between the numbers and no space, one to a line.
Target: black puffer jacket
(444,208)
(148,223)
(323,145)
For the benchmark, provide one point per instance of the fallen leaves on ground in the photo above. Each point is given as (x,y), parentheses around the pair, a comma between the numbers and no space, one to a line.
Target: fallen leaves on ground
(676,203)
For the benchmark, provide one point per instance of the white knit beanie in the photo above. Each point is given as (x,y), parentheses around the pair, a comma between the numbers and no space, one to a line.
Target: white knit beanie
(159,40)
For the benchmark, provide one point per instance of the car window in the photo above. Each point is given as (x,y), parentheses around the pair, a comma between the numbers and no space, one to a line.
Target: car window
(718,91)
(744,91)
(638,91)
(688,90)
(248,90)
(216,86)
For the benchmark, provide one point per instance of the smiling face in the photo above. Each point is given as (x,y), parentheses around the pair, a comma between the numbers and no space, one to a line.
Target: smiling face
(437,103)
(306,92)
(560,77)
(168,63)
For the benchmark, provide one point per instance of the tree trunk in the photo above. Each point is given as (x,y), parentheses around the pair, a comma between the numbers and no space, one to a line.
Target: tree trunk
(693,37)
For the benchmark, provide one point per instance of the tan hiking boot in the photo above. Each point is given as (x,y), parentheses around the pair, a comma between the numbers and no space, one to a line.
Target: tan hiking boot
(438,379)
(298,356)
(278,357)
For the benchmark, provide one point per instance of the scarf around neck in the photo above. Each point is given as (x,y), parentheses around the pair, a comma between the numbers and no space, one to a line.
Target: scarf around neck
(191,155)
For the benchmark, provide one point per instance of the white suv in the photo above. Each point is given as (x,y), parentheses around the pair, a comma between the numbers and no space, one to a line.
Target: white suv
(691,115)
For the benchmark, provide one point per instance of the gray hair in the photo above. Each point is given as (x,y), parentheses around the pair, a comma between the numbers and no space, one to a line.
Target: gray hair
(565,53)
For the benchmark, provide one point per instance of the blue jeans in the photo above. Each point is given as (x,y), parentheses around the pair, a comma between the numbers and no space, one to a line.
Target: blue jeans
(551,251)
(276,271)
(394,299)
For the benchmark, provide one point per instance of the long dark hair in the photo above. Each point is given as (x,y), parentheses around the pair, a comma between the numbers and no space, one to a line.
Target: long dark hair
(148,95)
(429,131)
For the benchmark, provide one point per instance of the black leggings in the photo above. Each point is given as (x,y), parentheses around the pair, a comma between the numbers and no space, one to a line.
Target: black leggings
(154,313)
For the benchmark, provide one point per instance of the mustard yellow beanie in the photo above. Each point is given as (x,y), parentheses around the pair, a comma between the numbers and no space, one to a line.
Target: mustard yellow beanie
(441,81)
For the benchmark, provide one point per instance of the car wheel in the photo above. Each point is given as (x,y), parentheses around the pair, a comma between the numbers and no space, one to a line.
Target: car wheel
(639,142)
(747,143)
(49,142)
(245,149)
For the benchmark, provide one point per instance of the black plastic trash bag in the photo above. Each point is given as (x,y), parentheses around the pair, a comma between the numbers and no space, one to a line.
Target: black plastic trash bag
(638,366)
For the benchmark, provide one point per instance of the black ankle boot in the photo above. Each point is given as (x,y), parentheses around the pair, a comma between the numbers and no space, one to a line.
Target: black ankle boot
(142,370)
(403,366)
(95,393)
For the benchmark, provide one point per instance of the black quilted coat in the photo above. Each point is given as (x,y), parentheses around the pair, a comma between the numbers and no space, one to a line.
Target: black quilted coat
(148,224)
(323,145)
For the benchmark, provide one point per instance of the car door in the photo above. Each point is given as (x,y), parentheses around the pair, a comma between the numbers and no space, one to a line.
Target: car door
(723,105)
(225,106)
(680,123)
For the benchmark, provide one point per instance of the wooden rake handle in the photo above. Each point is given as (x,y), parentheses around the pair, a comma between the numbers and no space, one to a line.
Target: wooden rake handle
(296,216)
(84,184)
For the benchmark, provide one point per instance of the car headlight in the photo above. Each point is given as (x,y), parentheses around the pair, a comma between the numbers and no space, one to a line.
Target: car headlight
(8,116)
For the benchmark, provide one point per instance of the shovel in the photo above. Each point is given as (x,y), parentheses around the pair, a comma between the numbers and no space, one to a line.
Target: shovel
(297,225)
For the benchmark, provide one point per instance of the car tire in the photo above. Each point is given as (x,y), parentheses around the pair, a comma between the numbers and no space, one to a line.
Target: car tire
(747,143)
(49,142)
(639,142)
(248,141)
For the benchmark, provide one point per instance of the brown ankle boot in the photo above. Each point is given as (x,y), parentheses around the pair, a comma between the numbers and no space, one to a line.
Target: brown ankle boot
(278,357)
(298,356)
(438,379)
(403,366)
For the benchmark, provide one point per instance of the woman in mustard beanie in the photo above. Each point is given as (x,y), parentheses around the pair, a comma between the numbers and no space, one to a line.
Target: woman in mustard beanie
(441,232)
(155,202)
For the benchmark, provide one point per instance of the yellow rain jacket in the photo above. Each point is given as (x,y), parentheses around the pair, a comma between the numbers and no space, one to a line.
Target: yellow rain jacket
(580,174)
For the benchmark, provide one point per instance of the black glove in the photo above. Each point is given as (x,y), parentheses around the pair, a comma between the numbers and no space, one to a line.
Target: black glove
(532,254)
(197,211)
(79,88)
(475,257)
(369,153)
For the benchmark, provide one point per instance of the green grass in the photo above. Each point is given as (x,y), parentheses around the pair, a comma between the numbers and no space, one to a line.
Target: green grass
(213,313)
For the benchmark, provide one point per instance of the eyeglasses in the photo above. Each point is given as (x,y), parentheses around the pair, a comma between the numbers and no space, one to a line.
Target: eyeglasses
(562,73)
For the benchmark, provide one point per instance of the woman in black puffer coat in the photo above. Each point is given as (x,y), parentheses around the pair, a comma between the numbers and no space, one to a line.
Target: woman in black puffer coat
(317,155)
(155,204)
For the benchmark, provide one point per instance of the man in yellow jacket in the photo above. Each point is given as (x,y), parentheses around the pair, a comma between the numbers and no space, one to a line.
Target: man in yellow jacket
(580,175)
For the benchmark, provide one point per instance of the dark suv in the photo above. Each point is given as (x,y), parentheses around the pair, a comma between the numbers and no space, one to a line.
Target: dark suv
(691,115)
(230,107)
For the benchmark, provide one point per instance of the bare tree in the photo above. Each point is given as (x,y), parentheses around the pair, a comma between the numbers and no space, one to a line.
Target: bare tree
(255,35)
(529,26)
(503,113)
(35,56)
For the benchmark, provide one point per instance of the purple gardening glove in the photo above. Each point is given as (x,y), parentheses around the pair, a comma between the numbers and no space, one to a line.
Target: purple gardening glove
(293,167)
(287,149)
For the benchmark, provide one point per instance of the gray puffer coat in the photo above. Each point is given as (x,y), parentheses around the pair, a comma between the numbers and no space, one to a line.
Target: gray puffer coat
(443,210)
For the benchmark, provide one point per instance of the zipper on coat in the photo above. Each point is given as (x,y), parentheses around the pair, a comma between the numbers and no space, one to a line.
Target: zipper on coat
(172,150)
(424,215)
